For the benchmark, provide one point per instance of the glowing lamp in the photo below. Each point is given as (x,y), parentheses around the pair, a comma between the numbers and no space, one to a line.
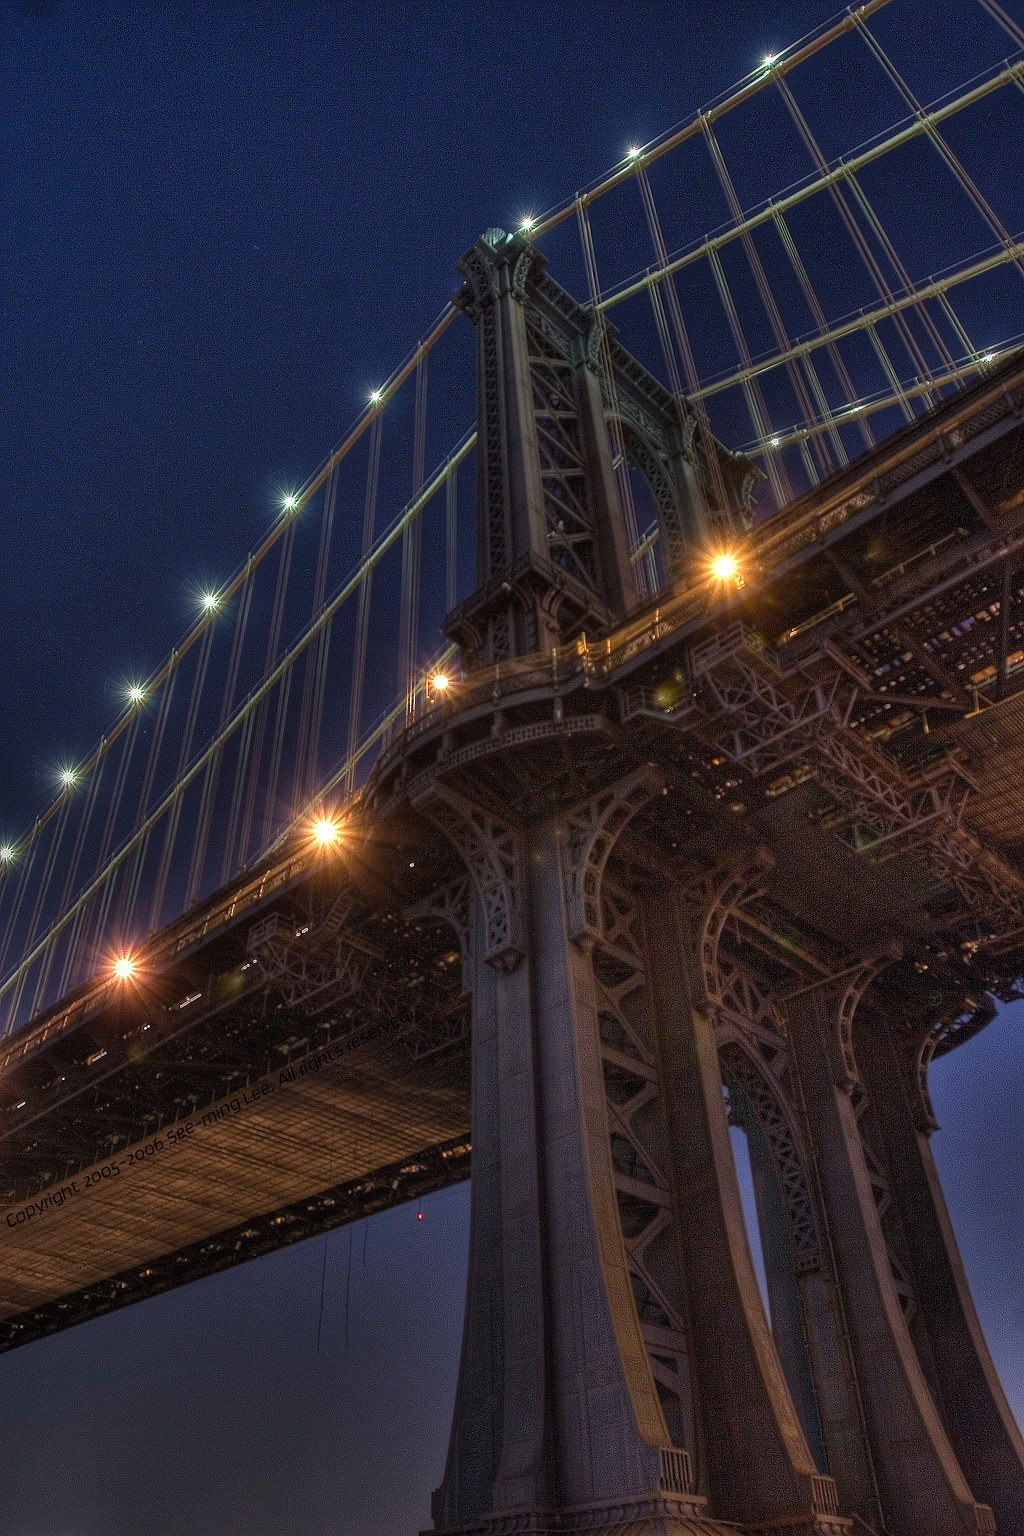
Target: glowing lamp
(375,395)
(724,567)
(6,854)
(527,225)
(290,503)
(440,682)
(136,694)
(210,601)
(633,152)
(326,833)
(67,777)
(125,968)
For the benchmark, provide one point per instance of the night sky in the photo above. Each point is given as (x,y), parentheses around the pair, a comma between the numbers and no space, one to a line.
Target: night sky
(225,223)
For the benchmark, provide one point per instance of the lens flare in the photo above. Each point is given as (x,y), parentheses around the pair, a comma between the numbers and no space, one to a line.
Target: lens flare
(326,832)
(440,682)
(210,601)
(725,567)
(125,968)
(136,694)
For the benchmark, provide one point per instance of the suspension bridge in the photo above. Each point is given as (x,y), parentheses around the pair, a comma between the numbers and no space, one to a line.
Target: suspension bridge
(682,792)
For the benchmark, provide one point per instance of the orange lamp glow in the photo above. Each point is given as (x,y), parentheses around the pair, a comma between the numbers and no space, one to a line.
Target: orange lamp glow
(125,968)
(326,833)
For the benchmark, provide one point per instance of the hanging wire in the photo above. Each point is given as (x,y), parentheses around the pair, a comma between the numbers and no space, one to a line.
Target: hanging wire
(757,410)
(133,876)
(208,799)
(771,308)
(323,644)
(355,707)
(56,838)
(1009,26)
(412,543)
(709,447)
(949,159)
(69,882)
(316,660)
(259,730)
(19,897)
(835,356)
(184,752)
(860,242)
(451,568)
(646,576)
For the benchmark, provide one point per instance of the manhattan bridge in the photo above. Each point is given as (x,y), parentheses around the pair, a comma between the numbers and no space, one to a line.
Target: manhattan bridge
(653,770)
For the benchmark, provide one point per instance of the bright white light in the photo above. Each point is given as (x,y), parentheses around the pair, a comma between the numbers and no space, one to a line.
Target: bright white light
(326,832)
(726,567)
(440,682)
(527,225)
(773,442)
(768,60)
(989,357)
(375,395)
(124,968)
(136,694)
(210,601)
(6,854)
(290,503)
(633,152)
(68,777)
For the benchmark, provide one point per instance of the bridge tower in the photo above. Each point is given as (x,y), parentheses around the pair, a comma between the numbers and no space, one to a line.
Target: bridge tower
(619,1372)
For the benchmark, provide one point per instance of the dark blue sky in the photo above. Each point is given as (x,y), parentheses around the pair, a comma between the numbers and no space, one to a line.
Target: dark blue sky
(224,224)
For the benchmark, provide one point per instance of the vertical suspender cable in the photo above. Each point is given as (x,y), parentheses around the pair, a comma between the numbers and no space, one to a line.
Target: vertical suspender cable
(625,485)
(323,653)
(56,838)
(412,541)
(316,660)
(949,159)
(270,806)
(451,564)
(69,881)
(691,378)
(71,951)
(19,895)
(259,730)
(764,288)
(1009,26)
(756,407)
(184,752)
(130,886)
(94,916)
(814,304)
(864,249)
(355,705)
(241,768)
(212,776)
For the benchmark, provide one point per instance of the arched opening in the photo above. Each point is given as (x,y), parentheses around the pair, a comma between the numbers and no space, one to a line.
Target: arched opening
(774,1246)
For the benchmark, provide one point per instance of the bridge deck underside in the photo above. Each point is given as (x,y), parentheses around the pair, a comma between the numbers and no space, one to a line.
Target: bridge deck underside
(344,1140)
